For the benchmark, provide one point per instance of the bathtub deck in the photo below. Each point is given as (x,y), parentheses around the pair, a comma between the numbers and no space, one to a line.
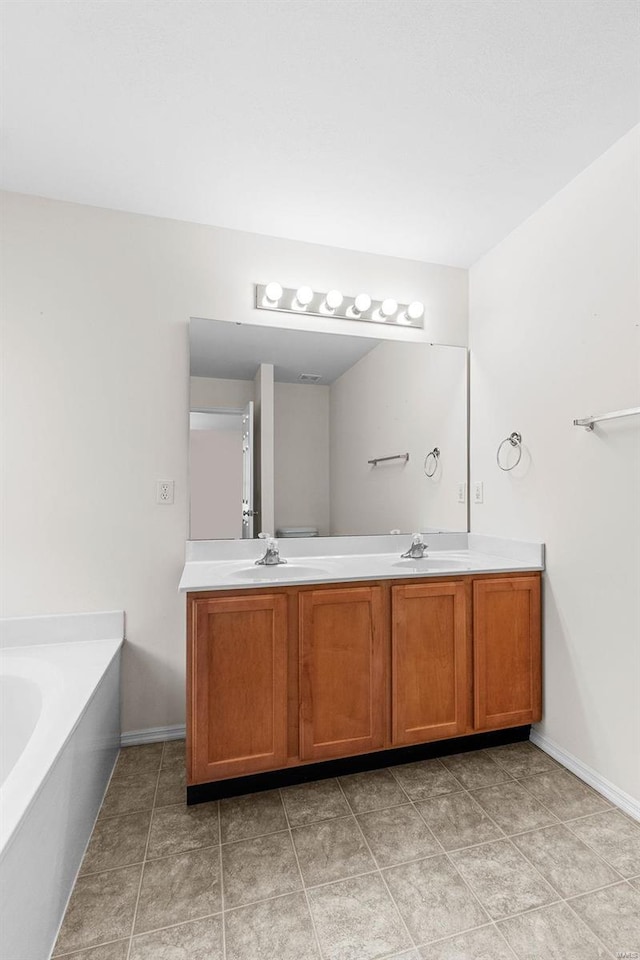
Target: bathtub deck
(477,855)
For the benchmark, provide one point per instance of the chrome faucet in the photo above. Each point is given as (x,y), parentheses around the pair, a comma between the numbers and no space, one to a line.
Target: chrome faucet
(417,549)
(272,554)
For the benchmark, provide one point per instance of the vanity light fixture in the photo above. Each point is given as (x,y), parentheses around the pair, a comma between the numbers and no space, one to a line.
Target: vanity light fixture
(331,302)
(302,299)
(272,293)
(386,309)
(334,304)
(415,310)
(360,305)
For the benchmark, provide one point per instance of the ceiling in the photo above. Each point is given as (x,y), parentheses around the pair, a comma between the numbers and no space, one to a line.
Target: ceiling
(234,351)
(425,129)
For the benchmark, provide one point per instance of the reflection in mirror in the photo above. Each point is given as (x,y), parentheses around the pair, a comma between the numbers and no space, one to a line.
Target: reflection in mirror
(284,424)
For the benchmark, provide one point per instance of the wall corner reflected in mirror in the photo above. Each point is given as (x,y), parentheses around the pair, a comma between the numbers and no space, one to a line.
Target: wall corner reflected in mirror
(283,424)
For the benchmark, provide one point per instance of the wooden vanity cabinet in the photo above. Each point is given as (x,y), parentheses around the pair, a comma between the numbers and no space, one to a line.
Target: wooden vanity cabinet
(342,672)
(430,661)
(507,652)
(287,676)
(237,668)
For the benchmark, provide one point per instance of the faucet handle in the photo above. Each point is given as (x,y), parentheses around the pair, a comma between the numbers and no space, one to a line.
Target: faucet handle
(417,549)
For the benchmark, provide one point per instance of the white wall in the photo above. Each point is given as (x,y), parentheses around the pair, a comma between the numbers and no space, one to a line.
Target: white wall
(301,456)
(210,393)
(215,482)
(95,380)
(263,449)
(554,335)
(399,399)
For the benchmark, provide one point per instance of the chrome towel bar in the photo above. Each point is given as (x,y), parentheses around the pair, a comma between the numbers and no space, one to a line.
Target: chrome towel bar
(588,422)
(398,456)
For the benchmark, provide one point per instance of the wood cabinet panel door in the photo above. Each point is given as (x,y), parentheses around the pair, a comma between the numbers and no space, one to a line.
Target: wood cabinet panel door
(342,689)
(238,678)
(507,654)
(430,662)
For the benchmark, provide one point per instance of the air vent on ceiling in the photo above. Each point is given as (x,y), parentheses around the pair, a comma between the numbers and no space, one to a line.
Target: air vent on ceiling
(309,377)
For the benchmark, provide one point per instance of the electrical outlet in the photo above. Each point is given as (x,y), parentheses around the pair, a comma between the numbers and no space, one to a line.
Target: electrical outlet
(462,493)
(478,492)
(164,491)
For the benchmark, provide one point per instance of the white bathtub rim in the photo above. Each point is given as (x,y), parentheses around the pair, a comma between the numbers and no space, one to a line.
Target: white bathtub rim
(61,628)
(15,804)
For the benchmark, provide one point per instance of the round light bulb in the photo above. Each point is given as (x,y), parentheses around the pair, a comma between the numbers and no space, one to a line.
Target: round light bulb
(362,303)
(415,310)
(334,299)
(273,291)
(304,296)
(388,307)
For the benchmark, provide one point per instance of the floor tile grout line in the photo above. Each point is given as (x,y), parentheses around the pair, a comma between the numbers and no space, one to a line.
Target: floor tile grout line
(531,776)
(563,902)
(222,906)
(504,838)
(560,822)
(129,813)
(437,839)
(289,893)
(135,910)
(317,886)
(484,752)
(451,936)
(598,813)
(588,926)
(562,898)
(120,866)
(503,935)
(594,851)
(567,822)
(587,893)
(551,886)
(392,806)
(143,933)
(74,953)
(304,888)
(165,856)
(429,760)
(380,873)
(471,845)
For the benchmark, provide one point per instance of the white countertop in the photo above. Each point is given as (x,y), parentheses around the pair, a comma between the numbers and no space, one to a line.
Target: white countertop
(218,569)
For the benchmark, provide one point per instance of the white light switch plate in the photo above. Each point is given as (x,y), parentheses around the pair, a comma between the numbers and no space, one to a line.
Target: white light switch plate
(462,493)
(478,492)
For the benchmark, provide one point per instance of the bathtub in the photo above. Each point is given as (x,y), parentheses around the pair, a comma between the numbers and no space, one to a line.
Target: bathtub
(59,738)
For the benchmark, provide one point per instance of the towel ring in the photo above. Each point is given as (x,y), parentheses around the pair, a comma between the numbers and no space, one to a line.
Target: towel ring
(515,439)
(435,453)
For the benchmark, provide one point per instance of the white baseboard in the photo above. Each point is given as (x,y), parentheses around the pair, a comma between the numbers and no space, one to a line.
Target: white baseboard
(152,735)
(608,790)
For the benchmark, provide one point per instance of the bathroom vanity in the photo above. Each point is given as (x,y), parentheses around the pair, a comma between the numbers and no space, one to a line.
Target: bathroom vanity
(333,664)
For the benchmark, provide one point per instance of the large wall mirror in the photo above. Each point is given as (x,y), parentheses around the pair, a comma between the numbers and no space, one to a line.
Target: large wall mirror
(284,425)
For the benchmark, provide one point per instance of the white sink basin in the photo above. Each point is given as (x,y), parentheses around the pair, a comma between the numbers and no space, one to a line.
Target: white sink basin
(285,571)
(427,563)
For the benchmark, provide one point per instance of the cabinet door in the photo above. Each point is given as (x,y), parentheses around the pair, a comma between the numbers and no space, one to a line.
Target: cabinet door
(238,686)
(430,662)
(342,691)
(506,620)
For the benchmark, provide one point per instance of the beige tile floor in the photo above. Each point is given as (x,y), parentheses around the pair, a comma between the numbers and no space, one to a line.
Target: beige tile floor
(482,856)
